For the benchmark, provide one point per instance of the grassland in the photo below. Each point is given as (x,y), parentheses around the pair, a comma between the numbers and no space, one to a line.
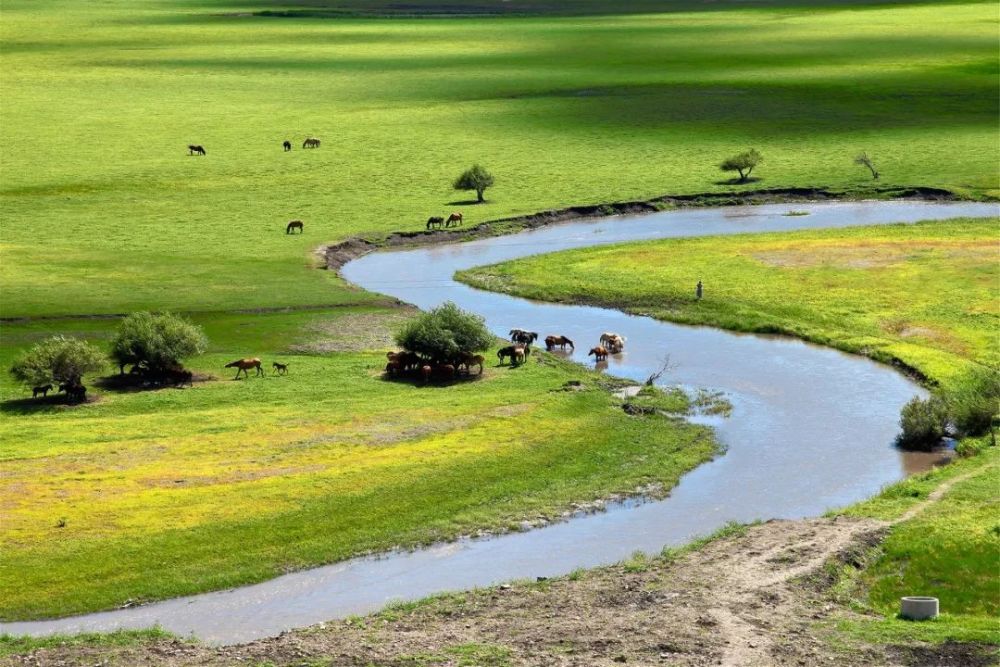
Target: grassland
(104,211)
(147,495)
(923,294)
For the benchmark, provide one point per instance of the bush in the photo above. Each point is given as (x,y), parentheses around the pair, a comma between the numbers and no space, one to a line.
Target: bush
(444,334)
(475,178)
(743,163)
(924,423)
(156,343)
(58,360)
(975,404)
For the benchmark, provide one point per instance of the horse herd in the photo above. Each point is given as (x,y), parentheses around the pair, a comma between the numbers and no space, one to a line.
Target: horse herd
(410,363)
(610,343)
(310,142)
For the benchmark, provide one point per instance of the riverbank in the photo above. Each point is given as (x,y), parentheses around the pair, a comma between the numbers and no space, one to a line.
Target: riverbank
(751,596)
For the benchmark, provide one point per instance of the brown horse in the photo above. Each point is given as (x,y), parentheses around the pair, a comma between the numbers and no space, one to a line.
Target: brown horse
(600,353)
(434,221)
(293,225)
(552,341)
(515,352)
(287,145)
(469,360)
(425,372)
(444,371)
(455,217)
(243,366)
(195,149)
(280,369)
(311,142)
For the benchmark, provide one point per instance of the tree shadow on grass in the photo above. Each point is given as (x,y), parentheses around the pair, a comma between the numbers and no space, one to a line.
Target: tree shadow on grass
(135,383)
(49,404)
(466,202)
(737,181)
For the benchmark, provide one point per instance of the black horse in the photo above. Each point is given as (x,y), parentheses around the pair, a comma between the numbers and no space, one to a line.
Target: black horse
(435,221)
(287,146)
(194,149)
(293,225)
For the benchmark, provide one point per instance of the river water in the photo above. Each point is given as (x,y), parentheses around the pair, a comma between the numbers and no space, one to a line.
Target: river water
(811,428)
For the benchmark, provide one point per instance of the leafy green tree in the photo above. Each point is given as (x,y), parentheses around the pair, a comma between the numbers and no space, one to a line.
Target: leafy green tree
(475,178)
(445,333)
(975,404)
(743,163)
(156,343)
(924,422)
(58,360)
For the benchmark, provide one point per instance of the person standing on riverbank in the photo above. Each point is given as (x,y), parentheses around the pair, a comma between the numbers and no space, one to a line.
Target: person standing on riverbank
(698,291)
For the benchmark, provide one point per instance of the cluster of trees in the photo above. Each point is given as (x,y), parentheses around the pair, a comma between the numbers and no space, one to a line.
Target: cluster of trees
(155,345)
(444,334)
(970,410)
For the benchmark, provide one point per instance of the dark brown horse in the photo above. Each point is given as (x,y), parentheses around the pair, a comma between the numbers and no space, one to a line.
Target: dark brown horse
(43,390)
(434,221)
(287,145)
(243,366)
(293,225)
(469,360)
(311,142)
(524,337)
(514,352)
(455,218)
(552,341)
(444,371)
(280,369)
(194,149)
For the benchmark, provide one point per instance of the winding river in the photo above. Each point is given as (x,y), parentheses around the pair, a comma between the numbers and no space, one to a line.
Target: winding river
(811,429)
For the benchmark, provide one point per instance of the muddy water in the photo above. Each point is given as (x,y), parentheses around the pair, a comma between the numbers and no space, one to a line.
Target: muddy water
(811,429)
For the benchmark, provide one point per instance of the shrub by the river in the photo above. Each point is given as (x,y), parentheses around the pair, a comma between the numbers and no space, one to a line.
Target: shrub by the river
(444,333)
(924,423)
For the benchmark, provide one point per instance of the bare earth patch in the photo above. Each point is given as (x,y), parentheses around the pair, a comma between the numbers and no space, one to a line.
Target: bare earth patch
(353,333)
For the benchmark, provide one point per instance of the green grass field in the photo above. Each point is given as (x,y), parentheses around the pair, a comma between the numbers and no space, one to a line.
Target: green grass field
(104,211)
(925,294)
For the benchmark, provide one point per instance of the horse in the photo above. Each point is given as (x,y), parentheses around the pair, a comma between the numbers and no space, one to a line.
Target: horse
(444,371)
(180,377)
(311,142)
(43,390)
(613,342)
(394,368)
(455,217)
(515,352)
(280,369)
(600,353)
(561,341)
(469,360)
(434,221)
(293,225)
(406,360)
(243,366)
(287,145)
(194,149)
(425,373)
(524,337)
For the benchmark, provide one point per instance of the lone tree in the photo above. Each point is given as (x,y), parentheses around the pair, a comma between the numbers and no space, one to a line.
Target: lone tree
(865,161)
(743,163)
(445,333)
(155,344)
(475,178)
(59,360)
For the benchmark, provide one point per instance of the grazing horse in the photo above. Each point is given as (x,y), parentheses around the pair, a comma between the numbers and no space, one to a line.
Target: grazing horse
(523,337)
(311,142)
(293,225)
(515,352)
(287,145)
(455,217)
(194,149)
(561,341)
(243,366)
(43,390)
(469,360)
(280,369)
(434,221)
(600,353)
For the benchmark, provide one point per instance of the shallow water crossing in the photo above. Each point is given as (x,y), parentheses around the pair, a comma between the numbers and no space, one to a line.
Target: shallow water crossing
(811,429)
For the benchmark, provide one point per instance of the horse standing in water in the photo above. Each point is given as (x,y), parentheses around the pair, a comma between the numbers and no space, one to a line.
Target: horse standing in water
(287,145)
(195,149)
(243,366)
(293,225)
